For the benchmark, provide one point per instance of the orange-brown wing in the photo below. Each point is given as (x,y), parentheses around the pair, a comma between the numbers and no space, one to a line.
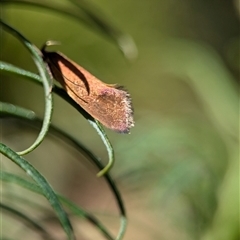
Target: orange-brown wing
(109,104)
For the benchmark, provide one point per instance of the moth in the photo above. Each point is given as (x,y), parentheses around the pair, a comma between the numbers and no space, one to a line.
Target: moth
(110,104)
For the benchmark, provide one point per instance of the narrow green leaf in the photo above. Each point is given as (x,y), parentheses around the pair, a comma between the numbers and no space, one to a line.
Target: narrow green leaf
(88,154)
(92,19)
(46,80)
(107,144)
(124,41)
(44,186)
(8,68)
(34,224)
(8,108)
(76,210)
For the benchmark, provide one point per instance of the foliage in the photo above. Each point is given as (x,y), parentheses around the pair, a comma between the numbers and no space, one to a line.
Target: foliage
(179,167)
(42,186)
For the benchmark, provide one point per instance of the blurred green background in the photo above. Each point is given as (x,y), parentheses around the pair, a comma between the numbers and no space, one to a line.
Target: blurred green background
(178,170)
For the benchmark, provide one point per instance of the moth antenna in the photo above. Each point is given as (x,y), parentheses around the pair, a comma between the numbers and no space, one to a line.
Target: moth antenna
(49,43)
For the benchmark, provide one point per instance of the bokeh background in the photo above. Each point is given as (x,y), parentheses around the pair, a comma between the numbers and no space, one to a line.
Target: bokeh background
(178,170)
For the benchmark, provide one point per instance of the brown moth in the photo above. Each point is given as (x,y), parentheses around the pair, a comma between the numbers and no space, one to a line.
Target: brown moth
(110,104)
